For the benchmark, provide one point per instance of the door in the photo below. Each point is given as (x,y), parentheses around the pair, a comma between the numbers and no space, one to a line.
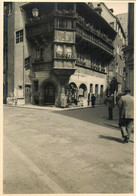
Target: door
(27,94)
(49,94)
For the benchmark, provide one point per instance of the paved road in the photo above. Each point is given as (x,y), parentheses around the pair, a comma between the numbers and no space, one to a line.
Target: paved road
(49,152)
(97,115)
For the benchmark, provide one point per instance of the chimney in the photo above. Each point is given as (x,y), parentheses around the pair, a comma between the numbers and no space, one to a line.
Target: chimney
(111,10)
(98,9)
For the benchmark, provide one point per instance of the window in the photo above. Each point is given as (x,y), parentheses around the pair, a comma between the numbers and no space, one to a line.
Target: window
(96,90)
(59,51)
(91,88)
(63,23)
(101,91)
(19,36)
(69,52)
(27,63)
(35,85)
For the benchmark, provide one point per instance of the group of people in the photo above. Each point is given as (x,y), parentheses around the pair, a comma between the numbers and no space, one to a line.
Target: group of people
(126,113)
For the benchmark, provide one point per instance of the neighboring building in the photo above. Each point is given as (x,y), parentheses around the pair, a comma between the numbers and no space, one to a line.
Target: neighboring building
(5,54)
(129,50)
(116,67)
(123,18)
(57,53)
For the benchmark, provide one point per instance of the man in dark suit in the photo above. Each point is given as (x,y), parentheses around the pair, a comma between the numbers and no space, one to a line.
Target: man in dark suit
(126,115)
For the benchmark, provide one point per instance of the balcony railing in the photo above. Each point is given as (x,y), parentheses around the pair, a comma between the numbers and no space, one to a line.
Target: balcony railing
(46,18)
(94,31)
(94,40)
(97,68)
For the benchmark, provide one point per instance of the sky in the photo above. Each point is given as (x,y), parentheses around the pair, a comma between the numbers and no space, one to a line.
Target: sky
(119,8)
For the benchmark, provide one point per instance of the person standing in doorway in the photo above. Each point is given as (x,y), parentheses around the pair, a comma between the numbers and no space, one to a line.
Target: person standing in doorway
(93,98)
(110,104)
(126,111)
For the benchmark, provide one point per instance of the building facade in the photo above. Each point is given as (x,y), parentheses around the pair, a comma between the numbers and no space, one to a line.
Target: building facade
(117,66)
(58,53)
(129,50)
(123,18)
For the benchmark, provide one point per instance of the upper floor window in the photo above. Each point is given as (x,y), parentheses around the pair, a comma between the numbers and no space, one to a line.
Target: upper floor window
(64,23)
(19,36)
(112,24)
(27,63)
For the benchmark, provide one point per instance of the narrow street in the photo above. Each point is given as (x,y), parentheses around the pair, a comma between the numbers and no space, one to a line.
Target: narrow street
(64,152)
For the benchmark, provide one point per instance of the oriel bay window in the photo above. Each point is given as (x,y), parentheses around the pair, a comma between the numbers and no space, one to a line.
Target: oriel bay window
(69,52)
(63,51)
(59,51)
(63,23)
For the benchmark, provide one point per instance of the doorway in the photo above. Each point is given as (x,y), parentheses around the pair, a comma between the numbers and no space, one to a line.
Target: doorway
(27,94)
(49,94)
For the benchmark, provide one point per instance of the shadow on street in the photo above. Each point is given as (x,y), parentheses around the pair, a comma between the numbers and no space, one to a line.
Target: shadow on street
(97,115)
(110,138)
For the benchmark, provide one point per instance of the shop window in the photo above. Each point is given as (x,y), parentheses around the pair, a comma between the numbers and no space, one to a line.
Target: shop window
(35,85)
(96,90)
(19,36)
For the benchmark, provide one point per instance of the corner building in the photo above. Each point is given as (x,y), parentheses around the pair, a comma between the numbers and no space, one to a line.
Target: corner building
(57,53)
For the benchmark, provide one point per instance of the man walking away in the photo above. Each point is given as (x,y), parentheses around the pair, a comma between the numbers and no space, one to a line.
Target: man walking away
(126,115)
(93,98)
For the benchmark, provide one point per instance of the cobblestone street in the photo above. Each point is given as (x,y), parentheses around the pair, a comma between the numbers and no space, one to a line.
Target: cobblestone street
(70,151)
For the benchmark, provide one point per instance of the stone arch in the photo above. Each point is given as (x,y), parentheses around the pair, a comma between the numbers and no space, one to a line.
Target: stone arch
(83,90)
(72,93)
(48,92)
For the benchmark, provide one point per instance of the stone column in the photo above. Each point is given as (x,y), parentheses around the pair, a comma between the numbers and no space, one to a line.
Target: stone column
(63,98)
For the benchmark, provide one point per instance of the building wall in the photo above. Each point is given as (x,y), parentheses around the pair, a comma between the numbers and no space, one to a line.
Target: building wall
(87,77)
(42,71)
(123,18)
(11,55)
(118,63)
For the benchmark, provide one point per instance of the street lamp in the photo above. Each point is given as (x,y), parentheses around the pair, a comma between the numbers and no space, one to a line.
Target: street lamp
(35,12)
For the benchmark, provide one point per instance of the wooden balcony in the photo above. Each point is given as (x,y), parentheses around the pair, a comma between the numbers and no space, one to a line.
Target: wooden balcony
(95,37)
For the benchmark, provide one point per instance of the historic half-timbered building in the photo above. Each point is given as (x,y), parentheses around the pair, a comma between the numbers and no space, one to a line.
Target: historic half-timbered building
(57,53)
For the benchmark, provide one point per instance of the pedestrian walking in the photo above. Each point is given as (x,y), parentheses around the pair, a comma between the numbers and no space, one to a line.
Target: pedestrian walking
(126,115)
(110,104)
(93,99)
